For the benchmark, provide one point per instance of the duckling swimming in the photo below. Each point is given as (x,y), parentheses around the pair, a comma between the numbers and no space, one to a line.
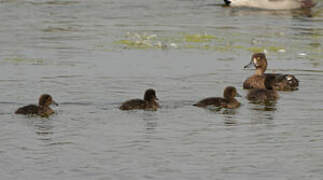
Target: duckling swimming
(148,103)
(263,95)
(228,100)
(272,4)
(42,109)
(283,82)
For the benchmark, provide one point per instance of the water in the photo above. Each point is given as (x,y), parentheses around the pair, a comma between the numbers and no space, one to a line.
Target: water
(93,55)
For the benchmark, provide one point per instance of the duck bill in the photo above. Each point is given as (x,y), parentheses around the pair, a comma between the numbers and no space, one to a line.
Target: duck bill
(238,95)
(55,103)
(156,99)
(248,65)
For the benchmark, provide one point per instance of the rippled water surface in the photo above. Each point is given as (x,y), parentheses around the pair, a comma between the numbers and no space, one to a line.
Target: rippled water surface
(91,55)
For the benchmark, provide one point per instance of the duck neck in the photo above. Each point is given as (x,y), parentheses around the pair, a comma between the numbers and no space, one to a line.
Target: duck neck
(149,99)
(229,98)
(43,107)
(233,99)
(260,71)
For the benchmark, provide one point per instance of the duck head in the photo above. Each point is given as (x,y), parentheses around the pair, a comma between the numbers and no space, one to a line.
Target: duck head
(230,92)
(259,61)
(46,100)
(150,95)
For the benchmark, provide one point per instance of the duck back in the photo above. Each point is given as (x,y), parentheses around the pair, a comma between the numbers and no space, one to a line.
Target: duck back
(214,101)
(285,82)
(29,109)
(139,104)
(282,82)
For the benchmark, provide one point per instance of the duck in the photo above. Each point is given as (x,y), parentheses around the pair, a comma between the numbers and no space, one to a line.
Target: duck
(282,82)
(272,4)
(42,109)
(148,103)
(227,101)
(264,95)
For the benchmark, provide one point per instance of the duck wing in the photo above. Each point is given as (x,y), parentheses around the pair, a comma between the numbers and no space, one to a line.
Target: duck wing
(254,82)
(133,104)
(214,101)
(30,109)
(283,82)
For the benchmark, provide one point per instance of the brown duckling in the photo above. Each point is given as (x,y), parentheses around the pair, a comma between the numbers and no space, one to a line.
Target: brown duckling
(42,109)
(148,103)
(283,82)
(264,95)
(228,100)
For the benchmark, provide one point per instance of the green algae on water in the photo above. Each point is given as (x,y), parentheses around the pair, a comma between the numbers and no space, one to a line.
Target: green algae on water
(18,60)
(199,37)
(199,41)
(268,48)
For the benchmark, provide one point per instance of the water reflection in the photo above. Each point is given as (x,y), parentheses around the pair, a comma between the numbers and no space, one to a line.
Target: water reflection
(293,13)
(230,120)
(302,13)
(230,117)
(42,127)
(61,3)
(265,105)
(150,119)
(262,112)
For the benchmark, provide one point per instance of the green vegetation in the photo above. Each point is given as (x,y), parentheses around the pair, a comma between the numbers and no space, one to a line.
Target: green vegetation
(17,60)
(199,37)
(200,41)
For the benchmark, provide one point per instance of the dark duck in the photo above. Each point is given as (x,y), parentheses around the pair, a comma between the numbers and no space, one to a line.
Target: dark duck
(228,100)
(42,109)
(282,82)
(148,103)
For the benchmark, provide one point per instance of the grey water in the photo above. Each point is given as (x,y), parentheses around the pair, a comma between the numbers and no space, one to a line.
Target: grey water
(91,55)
